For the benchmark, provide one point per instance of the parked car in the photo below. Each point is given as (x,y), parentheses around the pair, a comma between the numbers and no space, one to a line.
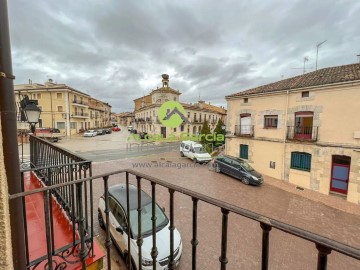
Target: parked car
(90,133)
(51,134)
(118,227)
(108,130)
(237,168)
(100,132)
(115,129)
(130,128)
(143,135)
(194,151)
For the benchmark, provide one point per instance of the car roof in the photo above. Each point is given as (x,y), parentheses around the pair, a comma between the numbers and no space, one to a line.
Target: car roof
(118,192)
(191,143)
(233,158)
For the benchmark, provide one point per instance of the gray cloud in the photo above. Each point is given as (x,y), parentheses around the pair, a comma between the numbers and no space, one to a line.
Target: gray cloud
(116,50)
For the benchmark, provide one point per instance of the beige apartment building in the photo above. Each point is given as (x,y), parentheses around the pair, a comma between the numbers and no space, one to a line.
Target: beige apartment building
(304,130)
(146,108)
(64,107)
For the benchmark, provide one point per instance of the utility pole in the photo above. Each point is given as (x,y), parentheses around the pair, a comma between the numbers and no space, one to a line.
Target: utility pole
(10,146)
(317,51)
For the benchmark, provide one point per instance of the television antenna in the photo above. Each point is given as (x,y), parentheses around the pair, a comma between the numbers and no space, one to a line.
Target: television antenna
(306,59)
(317,51)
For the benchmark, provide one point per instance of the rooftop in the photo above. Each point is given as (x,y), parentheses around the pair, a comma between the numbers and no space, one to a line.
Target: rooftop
(321,77)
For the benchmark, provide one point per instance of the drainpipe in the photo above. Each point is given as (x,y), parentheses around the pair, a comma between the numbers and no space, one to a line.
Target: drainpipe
(10,146)
(285,130)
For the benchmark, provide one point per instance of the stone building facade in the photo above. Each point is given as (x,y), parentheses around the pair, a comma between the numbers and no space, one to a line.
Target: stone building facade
(146,112)
(302,130)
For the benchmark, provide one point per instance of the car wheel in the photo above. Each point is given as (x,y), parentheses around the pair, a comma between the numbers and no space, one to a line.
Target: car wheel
(217,168)
(181,154)
(244,180)
(101,221)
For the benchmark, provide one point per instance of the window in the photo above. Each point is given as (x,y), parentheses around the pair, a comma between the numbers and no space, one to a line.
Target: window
(270,121)
(73,125)
(38,96)
(244,151)
(59,95)
(188,114)
(305,94)
(182,128)
(300,161)
(174,129)
(246,100)
(60,108)
(60,125)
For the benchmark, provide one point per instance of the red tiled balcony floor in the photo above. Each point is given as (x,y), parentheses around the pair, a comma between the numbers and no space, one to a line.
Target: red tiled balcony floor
(35,216)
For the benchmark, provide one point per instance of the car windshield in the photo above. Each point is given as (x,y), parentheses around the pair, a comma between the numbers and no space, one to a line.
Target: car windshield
(199,150)
(246,166)
(146,222)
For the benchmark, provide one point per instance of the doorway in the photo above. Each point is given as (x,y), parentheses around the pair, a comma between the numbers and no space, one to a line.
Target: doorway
(163,132)
(340,171)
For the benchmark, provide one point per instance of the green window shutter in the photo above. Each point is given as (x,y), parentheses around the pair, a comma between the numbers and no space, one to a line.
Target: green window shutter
(244,151)
(300,161)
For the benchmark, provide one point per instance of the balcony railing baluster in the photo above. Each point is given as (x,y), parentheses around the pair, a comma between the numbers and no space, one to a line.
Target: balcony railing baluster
(107,211)
(139,209)
(171,228)
(223,259)
(129,223)
(322,256)
(48,230)
(25,221)
(265,246)
(194,241)
(154,251)
(81,223)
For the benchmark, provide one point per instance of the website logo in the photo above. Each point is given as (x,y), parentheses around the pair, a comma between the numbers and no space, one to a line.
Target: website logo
(172,114)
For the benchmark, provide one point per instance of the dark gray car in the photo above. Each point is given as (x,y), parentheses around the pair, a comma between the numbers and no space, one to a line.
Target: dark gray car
(237,168)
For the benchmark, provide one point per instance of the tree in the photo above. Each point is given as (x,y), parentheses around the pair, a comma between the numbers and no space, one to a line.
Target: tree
(219,129)
(204,131)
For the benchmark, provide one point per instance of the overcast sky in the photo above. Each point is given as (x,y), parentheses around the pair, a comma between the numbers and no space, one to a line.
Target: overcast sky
(117,50)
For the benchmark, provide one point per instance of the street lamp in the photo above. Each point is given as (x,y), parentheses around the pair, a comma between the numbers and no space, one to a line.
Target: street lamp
(32,114)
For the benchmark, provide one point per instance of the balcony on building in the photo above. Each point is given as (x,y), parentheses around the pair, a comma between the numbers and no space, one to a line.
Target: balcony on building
(302,133)
(80,103)
(244,130)
(80,115)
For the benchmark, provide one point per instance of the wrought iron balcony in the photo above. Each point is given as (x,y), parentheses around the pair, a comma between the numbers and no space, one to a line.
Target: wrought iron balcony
(80,102)
(80,115)
(302,133)
(71,186)
(244,131)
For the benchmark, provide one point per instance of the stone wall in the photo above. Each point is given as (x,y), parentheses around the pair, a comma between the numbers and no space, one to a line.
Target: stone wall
(5,234)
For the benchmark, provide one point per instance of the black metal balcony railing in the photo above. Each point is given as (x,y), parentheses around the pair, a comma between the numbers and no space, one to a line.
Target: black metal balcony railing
(80,102)
(244,131)
(77,186)
(80,114)
(302,133)
(73,199)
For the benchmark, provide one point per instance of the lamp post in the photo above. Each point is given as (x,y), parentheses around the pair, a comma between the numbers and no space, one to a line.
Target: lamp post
(32,114)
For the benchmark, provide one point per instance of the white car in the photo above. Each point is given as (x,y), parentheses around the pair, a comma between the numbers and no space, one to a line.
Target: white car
(130,128)
(90,133)
(119,228)
(194,151)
